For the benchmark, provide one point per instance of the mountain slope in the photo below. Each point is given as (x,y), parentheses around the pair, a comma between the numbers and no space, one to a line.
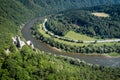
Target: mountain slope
(25,64)
(12,14)
(54,5)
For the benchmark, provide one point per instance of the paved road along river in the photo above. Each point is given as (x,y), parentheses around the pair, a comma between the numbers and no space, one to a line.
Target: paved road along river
(98,41)
(100,60)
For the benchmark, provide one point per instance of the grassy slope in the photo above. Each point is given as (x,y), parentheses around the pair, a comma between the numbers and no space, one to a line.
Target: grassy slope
(76,36)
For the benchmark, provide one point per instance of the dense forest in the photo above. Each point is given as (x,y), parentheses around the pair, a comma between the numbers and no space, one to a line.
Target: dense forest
(26,64)
(52,6)
(82,21)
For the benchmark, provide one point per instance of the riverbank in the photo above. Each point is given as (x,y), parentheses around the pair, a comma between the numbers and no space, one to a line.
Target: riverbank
(114,55)
(110,55)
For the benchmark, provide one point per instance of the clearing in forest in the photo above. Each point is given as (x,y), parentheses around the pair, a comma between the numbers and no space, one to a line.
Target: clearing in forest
(77,36)
(101,14)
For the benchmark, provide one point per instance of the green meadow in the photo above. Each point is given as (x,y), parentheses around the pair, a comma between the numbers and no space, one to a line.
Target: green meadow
(77,36)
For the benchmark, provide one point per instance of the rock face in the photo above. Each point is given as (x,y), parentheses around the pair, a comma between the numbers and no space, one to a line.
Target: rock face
(18,42)
(30,43)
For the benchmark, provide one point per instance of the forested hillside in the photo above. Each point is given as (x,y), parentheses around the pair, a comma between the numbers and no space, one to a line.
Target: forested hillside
(26,64)
(12,15)
(52,6)
(84,22)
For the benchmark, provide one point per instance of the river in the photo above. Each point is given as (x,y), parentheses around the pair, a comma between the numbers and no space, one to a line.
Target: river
(93,59)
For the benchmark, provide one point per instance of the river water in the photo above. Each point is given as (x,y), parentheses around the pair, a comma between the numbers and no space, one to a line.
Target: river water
(99,60)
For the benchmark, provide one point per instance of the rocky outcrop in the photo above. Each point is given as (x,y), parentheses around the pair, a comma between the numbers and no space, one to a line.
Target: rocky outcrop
(30,43)
(18,42)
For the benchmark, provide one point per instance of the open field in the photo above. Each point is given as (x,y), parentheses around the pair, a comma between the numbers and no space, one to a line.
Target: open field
(76,36)
(73,43)
(101,14)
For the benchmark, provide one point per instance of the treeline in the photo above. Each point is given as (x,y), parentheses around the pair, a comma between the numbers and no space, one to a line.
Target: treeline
(52,6)
(82,21)
(91,48)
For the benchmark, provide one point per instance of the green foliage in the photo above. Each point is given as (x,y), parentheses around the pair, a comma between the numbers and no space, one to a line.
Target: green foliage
(25,64)
(53,6)
(18,12)
(12,15)
(84,22)
(29,65)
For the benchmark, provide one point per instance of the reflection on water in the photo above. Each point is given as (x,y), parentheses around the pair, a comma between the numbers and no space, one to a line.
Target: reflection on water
(100,60)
